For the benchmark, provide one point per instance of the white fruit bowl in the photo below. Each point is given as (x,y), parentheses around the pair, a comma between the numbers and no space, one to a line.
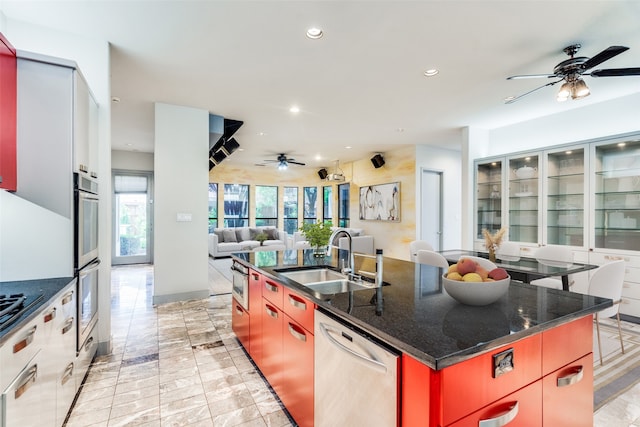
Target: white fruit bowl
(476,293)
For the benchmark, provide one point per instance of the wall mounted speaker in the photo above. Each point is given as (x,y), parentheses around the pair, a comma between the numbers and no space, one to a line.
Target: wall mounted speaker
(322,173)
(377,161)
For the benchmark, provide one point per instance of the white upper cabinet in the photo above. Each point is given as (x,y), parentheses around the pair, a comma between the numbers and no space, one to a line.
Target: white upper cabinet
(85,138)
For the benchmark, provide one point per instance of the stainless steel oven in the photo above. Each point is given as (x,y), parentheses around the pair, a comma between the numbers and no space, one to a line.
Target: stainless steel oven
(240,288)
(87,301)
(86,220)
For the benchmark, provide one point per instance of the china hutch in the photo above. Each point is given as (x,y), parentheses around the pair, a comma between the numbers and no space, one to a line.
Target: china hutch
(584,195)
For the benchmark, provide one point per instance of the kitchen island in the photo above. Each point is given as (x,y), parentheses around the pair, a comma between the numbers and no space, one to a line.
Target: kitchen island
(517,360)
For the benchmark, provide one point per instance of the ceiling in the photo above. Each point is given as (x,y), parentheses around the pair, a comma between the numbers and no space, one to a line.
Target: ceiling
(361,85)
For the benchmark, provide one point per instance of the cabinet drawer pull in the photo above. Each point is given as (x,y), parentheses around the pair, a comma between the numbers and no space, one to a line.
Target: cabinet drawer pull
(271,312)
(67,298)
(50,315)
(67,325)
(68,373)
(297,335)
(297,302)
(20,345)
(239,311)
(501,420)
(87,346)
(255,276)
(30,378)
(271,287)
(572,378)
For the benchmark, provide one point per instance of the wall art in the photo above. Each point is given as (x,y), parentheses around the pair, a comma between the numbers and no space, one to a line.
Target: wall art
(380,202)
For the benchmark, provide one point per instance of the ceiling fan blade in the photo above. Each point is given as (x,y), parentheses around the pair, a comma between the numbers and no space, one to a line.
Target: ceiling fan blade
(296,163)
(531,76)
(605,55)
(616,72)
(512,100)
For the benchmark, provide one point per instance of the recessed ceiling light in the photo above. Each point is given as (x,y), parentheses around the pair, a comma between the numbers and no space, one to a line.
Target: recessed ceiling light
(509,98)
(294,109)
(568,152)
(314,33)
(262,133)
(621,144)
(348,147)
(431,72)
(115,99)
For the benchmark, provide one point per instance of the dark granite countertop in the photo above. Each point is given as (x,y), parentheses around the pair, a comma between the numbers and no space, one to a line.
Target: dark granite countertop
(48,288)
(422,320)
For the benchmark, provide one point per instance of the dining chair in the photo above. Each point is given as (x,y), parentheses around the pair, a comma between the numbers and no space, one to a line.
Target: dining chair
(431,258)
(415,246)
(553,255)
(606,282)
(482,262)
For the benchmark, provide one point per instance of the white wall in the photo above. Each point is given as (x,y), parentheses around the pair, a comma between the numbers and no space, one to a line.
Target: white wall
(130,160)
(93,59)
(181,187)
(449,162)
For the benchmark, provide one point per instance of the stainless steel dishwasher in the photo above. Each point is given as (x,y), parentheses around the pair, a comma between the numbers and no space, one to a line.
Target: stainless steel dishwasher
(356,379)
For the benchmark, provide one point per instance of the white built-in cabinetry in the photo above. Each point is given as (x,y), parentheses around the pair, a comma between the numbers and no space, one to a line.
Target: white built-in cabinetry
(57,131)
(584,195)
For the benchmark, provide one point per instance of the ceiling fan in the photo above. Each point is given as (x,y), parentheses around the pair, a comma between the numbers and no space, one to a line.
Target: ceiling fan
(570,71)
(284,161)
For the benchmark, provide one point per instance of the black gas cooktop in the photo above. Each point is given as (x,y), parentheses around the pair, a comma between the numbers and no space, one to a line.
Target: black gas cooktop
(14,305)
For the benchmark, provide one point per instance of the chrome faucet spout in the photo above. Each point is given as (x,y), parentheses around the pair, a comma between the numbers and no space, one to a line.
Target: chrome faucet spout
(333,236)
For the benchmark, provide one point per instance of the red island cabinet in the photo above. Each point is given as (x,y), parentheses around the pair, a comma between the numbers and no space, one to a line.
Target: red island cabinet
(255,318)
(8,124)
(240,322)
(529,382)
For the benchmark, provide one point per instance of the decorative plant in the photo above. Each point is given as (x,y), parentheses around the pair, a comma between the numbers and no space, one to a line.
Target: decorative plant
(317,234)
(492,241)
(261,237)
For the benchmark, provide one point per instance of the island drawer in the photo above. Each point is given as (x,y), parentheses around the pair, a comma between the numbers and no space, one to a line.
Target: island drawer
(475,383)
(566,343)
(567,395)
(273,291)
(299,309)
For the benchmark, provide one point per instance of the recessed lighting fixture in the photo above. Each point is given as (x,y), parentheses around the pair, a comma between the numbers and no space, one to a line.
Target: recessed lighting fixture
(494,164)
(431,72)
(621,144)
(294,109)
(348,147)
(314,33)
(115,99)
(318,157)
(240,149)
(568,152)
(527,158)
(262,133)
(509,99)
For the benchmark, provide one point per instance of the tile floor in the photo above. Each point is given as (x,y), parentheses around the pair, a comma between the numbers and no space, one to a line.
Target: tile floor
(180,364)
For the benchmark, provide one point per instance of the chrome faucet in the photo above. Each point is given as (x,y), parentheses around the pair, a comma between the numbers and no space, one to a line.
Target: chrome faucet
(351,268)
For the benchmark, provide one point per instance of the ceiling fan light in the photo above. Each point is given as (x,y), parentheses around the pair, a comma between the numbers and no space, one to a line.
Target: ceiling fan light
(283,165)
(564,92)
(580,90)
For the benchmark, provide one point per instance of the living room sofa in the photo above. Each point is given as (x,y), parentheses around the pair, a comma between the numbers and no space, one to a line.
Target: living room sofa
(359,243)
(225,241)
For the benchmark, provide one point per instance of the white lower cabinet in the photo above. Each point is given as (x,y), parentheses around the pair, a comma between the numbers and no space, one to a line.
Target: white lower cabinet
(85,356)
(22,400)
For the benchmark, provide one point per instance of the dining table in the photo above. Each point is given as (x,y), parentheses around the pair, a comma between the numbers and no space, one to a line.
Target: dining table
(524,269)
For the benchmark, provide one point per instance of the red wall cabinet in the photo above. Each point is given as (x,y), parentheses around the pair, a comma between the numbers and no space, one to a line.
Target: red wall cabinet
(297,391)
(8,124)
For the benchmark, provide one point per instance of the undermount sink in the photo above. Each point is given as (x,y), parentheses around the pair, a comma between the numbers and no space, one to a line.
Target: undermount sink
(324,282)
(313,275)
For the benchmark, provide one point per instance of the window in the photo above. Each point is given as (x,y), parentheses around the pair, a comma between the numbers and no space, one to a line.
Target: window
(290,209)
(310,195)
(327,205)
(213,207)
(266,205)
(343,205)
(236,205)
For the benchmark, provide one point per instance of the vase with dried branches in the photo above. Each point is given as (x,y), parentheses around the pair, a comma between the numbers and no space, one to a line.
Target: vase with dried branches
(492,241)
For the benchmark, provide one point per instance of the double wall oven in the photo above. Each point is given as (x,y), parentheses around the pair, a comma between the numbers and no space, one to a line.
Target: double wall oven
(87,259)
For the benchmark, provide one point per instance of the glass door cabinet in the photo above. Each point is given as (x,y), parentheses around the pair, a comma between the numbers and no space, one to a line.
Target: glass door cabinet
(617,195)
(488,197)
(523,199)
(565,197)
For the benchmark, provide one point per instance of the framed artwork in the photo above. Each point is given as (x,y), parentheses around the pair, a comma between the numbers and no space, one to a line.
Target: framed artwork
(380,202)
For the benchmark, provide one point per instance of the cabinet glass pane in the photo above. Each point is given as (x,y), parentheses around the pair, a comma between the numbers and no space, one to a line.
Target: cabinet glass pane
(523,199)
(617,196)
(565,198)
(488,197)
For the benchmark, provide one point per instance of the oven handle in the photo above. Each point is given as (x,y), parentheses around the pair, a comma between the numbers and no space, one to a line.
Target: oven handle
(89,268)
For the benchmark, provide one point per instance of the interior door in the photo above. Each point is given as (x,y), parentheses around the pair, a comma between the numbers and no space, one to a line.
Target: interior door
(132,218)
(431,208)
